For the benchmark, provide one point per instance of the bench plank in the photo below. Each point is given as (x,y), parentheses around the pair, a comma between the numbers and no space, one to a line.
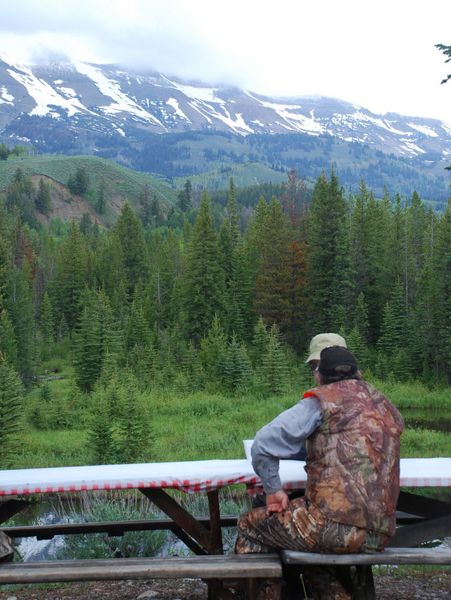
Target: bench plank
(205,567)
(390,556)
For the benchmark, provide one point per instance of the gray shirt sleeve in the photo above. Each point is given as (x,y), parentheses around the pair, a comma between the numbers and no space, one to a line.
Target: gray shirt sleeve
(283,437)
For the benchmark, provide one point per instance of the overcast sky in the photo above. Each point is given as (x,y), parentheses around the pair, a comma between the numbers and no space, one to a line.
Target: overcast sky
(380,54)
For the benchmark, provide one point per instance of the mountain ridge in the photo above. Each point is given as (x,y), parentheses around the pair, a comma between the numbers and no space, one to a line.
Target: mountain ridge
(147,120)
(171,105)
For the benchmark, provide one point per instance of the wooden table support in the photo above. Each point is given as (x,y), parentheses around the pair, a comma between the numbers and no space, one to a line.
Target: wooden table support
(9,508)
(435,523)
(200,535)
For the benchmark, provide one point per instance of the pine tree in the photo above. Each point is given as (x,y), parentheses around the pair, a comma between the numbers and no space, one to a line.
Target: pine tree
(102,441)
(185,196)
(101,198)
(128,237)
(361,322)
(272,292)
(137,333)
(88,347)
(20,310)
(20,197)
(259,343)
(328,257)
(4,152)
(356,344)
(78,183)
(46,319)
(11,407)
(213,349)
(135,434)
(238,301)
(274,368)
(237,369)
(8,344)
(393,342)
(43,200)
(204,277)
(442,309)
(192,371)
(296,330)
(233,218)
(71,276)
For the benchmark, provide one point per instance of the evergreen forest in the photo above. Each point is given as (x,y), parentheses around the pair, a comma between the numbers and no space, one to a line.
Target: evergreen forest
(175,335)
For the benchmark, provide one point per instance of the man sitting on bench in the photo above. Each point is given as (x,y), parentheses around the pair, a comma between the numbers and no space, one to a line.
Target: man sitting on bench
(351,433)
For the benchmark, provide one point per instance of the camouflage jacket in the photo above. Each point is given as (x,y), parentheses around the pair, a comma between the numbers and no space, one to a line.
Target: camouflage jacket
(353,456)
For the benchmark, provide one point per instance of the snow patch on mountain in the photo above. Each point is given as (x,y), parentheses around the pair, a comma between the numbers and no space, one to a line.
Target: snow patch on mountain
(238,124)
(44,95)
(172,102)
(294,120)
(412,148)
(68,92)
(205,94)
(360,116)
(424,129)
(121,102)
(5,96)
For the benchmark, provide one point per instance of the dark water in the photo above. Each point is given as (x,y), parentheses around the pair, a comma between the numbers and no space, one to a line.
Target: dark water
(433,420)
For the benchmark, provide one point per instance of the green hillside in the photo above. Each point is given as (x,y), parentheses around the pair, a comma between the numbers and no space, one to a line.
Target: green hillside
(119,180)
(244,175)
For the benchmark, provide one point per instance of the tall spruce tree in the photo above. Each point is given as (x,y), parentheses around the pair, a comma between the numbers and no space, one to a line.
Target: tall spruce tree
(274,367)
(11,409)
(328,257)
(213,348)
(8,344)
(128,237)
(237,365)
(42,199)
(442,271)
(71,276)
(272,287)
(204,277)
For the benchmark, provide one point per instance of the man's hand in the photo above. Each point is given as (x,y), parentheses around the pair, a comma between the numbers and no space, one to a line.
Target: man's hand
(276,502)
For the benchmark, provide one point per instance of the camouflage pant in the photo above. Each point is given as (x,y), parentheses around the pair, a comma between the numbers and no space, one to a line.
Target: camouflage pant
(303,527)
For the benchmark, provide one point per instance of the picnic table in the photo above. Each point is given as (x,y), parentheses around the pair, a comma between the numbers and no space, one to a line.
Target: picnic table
(421,518)
(427,518)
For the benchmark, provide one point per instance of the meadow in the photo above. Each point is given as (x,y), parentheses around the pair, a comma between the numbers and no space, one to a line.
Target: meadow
(200,425)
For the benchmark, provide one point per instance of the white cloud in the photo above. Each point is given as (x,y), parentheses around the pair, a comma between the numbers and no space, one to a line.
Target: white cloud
(379,55)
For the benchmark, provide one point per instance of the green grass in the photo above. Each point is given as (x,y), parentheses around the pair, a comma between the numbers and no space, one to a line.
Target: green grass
(243,175)
(191,427)
(424,443)
(194,426)
(52,448)
(415,395)
(126,183)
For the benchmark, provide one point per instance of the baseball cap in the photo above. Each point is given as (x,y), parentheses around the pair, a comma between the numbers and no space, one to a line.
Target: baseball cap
(335,360)
(324,340)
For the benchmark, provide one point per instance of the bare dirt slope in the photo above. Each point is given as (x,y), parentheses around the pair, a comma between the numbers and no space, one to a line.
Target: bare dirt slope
(64,205)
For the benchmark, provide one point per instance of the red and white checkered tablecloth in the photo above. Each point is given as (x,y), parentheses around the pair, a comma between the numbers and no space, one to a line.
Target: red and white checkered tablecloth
(191,476)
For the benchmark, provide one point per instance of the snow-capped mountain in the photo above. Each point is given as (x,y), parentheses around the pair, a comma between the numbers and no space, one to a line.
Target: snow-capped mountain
(80,97)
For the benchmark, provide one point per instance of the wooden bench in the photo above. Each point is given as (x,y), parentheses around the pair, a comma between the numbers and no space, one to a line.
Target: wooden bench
(354,570)
(213,568)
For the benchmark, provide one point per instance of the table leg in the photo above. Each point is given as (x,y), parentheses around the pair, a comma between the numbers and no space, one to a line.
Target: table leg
(205,540)
(436,522)
(9,508)
(216,546)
